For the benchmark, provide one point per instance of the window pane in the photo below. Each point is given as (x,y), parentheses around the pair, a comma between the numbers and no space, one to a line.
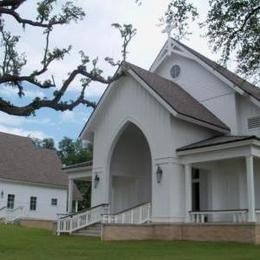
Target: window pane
(54,202)
(10,201)
(33,203)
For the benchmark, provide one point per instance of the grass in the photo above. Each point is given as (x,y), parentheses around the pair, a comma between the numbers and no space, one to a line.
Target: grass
(19,243)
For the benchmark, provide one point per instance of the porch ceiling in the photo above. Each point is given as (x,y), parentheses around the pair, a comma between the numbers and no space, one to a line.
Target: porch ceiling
(219,148)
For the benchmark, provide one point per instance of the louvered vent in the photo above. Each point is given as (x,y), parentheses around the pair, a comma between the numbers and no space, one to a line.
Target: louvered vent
(253,122)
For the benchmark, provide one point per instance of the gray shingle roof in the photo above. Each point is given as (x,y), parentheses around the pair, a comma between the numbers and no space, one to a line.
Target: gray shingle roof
(21,161)
(218,140)
(181,101)
(235,79)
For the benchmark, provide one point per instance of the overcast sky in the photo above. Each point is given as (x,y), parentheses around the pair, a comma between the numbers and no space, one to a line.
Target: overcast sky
(95,36)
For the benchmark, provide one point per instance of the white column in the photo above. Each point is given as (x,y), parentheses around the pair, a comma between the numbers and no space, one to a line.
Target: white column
(250,188)
(188,193)
(76,206)
(70,195)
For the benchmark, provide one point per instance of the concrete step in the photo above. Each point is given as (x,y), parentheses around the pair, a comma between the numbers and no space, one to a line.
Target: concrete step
(91,231)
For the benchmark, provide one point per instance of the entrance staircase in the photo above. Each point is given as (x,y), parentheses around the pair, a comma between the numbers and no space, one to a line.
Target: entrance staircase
(89,222)
(90,231)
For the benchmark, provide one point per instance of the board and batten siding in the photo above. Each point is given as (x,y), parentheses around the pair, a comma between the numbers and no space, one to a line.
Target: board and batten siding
(129,101)
(204,86)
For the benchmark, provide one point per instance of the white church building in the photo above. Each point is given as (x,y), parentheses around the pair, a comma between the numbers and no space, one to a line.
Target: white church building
(176,153)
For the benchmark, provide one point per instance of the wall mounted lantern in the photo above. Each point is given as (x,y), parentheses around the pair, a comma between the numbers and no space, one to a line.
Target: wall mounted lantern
(96,181)
(2,194)
(159,173)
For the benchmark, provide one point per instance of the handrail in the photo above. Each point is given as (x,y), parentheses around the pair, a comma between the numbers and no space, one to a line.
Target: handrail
(11,214)
(3,208)
(81,220)
(201,217)
(15,209)
(125,210)
(82,211)
(137,215)
(218,210)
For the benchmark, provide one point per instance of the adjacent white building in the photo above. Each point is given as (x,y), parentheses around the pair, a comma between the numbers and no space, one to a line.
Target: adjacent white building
(32,184)
(176,144)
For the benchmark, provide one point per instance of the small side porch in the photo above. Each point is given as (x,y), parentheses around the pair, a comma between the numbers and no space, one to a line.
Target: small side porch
(221,176)
(76,172)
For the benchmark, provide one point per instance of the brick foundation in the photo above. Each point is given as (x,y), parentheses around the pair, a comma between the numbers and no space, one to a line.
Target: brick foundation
(244,233)
(38,223)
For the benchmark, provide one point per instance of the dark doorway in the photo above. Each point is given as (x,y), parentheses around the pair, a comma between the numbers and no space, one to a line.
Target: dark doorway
(195,190)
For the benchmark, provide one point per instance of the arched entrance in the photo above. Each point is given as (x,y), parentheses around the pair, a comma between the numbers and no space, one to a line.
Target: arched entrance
(130,170)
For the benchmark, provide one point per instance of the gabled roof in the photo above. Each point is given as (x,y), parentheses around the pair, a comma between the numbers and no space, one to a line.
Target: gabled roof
(214,141)
(174,95)
(180,100)
(234,78)
(21,161)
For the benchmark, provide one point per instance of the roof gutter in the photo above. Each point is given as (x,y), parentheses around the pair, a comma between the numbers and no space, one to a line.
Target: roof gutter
(252,140)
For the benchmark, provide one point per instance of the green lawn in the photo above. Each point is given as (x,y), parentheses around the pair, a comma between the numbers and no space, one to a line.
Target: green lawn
(25,243)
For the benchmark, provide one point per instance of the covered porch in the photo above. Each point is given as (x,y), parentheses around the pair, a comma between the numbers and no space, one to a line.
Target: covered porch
(221,179)
(76,172)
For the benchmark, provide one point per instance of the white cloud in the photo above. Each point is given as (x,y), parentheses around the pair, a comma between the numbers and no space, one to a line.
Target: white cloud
(95,36)
(18,121)
(9,91)
(68,117)
(94,90)
(22,132)
(17,125)
(73,117)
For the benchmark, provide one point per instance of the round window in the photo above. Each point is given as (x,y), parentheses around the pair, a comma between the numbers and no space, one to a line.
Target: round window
(175,71)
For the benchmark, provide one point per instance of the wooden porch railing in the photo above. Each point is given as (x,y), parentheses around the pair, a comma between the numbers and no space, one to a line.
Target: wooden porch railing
(212,216)
(11,215)
(73,222)
(139,214)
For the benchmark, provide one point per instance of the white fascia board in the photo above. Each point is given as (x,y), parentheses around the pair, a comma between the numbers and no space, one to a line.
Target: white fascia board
(165,52)
(213,71)
(170,109)
(219,147)
(191,56)
(183,54)
(218,155)
(158,58)
(159,62)
(85,169)
(99,107)
(204,124)
(44,185)
(220,76)
(224,154)
(254,101)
